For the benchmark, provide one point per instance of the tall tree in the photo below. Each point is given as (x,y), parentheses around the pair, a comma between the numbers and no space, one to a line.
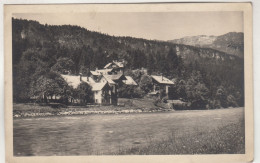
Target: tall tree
(84,93)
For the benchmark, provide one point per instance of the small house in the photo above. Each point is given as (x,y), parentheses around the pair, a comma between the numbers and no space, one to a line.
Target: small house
(116,66)
(103,93)
(161,85)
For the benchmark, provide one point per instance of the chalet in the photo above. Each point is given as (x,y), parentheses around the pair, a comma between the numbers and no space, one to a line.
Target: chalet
(103,94)
(102,90)
(116,66)
(161,85)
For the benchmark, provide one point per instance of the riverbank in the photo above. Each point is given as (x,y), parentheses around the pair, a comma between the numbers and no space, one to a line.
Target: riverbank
(218,131)
(129,106)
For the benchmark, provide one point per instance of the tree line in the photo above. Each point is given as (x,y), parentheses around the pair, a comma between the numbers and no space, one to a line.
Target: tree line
(42,52)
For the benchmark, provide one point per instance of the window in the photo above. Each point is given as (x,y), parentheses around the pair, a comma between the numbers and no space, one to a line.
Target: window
(96,100)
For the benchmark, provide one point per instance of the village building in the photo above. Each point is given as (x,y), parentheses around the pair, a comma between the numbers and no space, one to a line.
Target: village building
(117,66)
(161,86)
(103,92)
(104,82)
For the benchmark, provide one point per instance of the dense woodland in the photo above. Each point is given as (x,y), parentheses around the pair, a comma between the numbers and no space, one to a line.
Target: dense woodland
(204,77)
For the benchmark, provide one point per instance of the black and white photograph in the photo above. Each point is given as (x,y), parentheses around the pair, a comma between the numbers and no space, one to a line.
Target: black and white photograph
(118,83)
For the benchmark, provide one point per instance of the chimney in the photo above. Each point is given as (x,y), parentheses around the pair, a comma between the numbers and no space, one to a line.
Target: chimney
(80,76)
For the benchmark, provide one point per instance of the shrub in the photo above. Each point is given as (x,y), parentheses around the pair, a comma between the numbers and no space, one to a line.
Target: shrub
(231,101)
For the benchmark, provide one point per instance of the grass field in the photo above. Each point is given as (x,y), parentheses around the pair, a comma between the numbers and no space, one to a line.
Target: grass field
(227,139)
(180,132)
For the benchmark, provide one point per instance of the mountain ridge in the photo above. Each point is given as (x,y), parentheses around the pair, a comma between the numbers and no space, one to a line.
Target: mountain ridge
(231,43)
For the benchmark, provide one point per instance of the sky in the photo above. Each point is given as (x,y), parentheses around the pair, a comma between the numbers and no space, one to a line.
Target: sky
(148,25)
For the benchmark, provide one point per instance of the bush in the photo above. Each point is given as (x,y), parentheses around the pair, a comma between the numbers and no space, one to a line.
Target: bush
(127,91)
(214,104)
(231,101)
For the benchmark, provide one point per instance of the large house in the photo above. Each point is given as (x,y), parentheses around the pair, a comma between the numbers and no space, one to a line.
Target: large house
(103,92)
(104,82)
(161,85)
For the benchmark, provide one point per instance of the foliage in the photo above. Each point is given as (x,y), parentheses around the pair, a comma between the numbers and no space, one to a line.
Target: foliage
(50,84)
(205,77)
(84,93)
(63,65)
(146,83)
(130,91)
(197,92)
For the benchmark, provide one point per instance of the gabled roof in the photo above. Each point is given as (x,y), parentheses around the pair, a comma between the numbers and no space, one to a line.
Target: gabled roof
(101,72)
(74,80)
(98,86)
(115,77)
(162,80)
(94,73)
(88,79)
(119,64)
(129,81)
(110,81)
(107,65)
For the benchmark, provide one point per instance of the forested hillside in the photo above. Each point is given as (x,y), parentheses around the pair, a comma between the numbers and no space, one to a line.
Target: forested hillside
(204,77)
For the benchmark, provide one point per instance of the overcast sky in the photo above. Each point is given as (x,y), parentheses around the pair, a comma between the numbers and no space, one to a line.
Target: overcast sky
(148,25)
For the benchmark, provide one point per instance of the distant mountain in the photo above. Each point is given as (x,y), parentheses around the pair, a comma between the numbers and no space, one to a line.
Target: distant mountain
(231,43)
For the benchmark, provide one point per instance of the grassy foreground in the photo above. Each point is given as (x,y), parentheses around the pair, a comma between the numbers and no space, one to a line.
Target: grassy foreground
(229,139)
(219,131)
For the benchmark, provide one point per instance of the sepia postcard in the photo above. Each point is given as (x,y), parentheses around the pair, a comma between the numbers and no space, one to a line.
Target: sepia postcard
(148,82)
